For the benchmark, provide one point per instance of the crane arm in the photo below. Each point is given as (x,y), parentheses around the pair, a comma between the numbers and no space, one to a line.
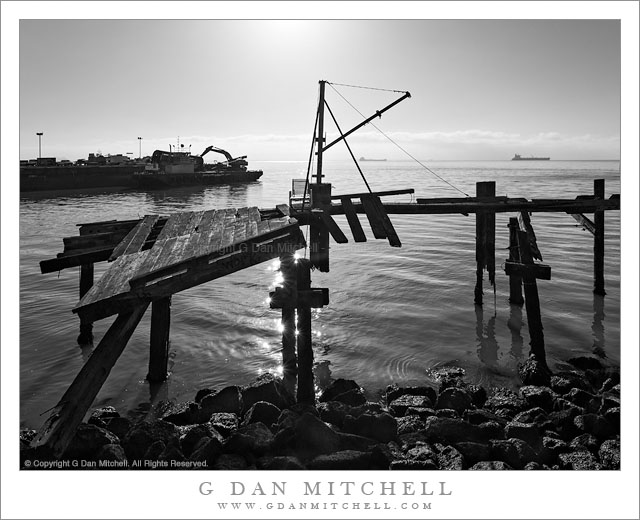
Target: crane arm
(218,150)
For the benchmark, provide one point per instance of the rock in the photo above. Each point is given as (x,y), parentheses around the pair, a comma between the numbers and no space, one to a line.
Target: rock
(455,399)
(230,462)
(449,458)
(421,451)
(538,397)
(263,412)
(411,465)
(478,395)
(613,416)
(451,431)
(254,438)
(578,460)
(586,441)
(202,394)
(423,413)
(507,400)
(313,437)
(536,416)
(585,363)
(337,387)
(564,404)
(564,381)
(534,372)
(333,412)
(562,423)
(579,397)
(227,400)
(170,453)
(609,454)
(527,432)
(448,377)
(342,460)
(182,414)
(143,434)
(533,466)
(87,440)
(350,441)
(610,383)
(381,427)
(155,449)
(279,463)
(490,465)
(394,391)
(111,452)
(104,412)
(195,434)
(490,430)
(207,450)
(482,416)
(400,405)
(594,424)
(410,423)
(267,388)
(353,397)
(473,452)
(447,412)
(225,423)
(119,426)
(608,402)
(515,452)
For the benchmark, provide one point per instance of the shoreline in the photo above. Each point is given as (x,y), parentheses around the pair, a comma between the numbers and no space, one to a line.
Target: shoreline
(566,420)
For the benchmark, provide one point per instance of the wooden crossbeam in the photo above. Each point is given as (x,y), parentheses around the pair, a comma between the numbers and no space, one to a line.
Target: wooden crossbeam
(375,221)
(585,222)
(333,228)
(392,236)
(315,298)
(376,193)
(136,238)
(353,220)
(60,427)
(524,220)
(540,271)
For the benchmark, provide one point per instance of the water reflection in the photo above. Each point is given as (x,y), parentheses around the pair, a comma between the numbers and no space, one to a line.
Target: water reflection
(486,338)
(515,326)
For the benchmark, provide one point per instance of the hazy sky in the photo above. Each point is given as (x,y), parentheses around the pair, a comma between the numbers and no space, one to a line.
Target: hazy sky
(480,89)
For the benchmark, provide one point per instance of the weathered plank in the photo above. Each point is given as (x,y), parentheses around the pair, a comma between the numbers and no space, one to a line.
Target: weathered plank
(585,222)
(525,224)
(97,240)
(284,209)
(598,240)
(175,226)
(74,260)
(392,236)
(375,221)
(61,425)
(353,220)
(136,238)
(334,229)
(376,193)
(159,340)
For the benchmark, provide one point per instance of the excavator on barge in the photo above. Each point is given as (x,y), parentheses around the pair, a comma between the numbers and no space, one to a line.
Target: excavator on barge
(178,167)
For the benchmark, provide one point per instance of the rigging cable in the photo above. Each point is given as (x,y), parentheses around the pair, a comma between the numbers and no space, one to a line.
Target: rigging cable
(389,138)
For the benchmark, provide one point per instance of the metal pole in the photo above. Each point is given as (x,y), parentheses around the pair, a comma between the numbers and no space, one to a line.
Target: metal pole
(320,137)
(139,147)
(39,134)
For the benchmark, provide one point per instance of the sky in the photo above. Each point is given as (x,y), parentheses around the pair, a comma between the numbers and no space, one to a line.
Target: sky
(480,89)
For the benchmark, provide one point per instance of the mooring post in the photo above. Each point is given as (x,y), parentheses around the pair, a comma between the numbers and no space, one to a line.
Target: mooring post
(289,287)
(485,239)
(159,343)
(306,393)
(515,280)
(318,232)
(598,241)
(532,300)
(86,282)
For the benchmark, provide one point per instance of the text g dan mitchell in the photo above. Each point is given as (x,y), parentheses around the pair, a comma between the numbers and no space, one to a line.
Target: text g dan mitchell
(320,488)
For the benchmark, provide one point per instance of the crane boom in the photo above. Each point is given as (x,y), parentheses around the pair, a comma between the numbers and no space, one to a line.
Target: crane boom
(218,150)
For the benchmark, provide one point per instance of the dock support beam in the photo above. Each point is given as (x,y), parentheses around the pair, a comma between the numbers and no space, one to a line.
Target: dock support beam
(86,282)
(159,343)
(515,280)
(485,239)
(306,393)
(60,427)
(598,241)
(318,232)
(289,286)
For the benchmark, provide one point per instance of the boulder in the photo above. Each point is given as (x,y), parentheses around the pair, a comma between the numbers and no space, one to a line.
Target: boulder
(400,405)
(413,465)
(449,458)
(206,450)
(527,432)
(593,424)
(490,430)
(580,397)
(230,462)
(455,399)
(353,397)
(119,426)
(381,427)
(490,465)
(227,400)
(342,460)
(313,437)
(579,460)
(533,466)
(87,440)
(155,449)
(473,452)
(255,438)
(451,431)
(515,452)
(334,412)
(202,394)
(409,424)
(194,434)
(267,388)
(538,397)
(224,423)
(421,451)
(503,399)
(536,416)
(551,448)
(613,416)
(478,395)
(182,414)
(534,372)
(609,454)
(564,381)
(586,441)
(103,412)
(394,391)
(263,412)
(279,463)
(423,413)
(481,416)
(337,387)
(140,437)
(111,452)
(447,412)
(171,452)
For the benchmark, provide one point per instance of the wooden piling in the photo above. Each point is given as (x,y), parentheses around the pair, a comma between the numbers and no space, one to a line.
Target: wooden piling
(159,343)
(60,427)
(289,286)
(532,300)
(305,393)
(485,239)
(318,232)
(515,280)
(86,282)
(598,241)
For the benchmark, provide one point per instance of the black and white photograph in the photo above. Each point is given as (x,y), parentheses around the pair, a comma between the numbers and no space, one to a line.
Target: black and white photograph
(319,259)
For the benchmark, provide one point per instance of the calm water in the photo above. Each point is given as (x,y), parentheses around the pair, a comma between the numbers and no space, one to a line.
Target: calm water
(395,314)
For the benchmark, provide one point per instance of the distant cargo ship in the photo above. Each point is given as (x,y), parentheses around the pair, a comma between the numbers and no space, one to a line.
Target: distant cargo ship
(364,159)
(517,157)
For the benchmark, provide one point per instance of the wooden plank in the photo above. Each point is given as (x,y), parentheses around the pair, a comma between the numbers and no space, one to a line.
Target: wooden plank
(174,254)
(284,209)
(60,427)
(175,226)
(136,238)
(353,220)
(98,240)
(598,241)
(333,228)
(108,226)
(159,342)
(585,222)
(525,224)
(207,220)
(392,236)
(53,265)
(375,221)
(376,193)
(193,222)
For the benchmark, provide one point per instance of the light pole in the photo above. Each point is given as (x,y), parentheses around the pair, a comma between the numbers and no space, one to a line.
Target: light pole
(39,134)
(139,147)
